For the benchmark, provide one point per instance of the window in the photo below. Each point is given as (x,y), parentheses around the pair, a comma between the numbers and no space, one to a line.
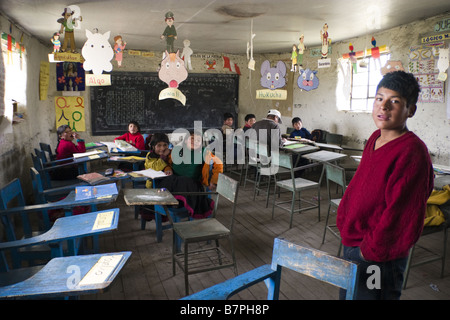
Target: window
(361,85)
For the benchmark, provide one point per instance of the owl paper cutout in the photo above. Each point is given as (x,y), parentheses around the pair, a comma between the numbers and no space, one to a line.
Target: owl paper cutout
(443,63)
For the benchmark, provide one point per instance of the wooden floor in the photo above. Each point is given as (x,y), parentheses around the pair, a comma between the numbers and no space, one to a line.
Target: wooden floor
(148,274)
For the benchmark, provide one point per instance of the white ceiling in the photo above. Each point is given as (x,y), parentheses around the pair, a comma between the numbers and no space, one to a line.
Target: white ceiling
(223,26)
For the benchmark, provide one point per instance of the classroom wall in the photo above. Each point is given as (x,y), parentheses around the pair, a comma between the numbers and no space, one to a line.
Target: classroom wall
(317,108)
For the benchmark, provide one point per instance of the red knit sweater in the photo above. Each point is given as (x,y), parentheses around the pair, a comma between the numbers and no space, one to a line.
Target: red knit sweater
(66,149)
(136,140)
(383,208)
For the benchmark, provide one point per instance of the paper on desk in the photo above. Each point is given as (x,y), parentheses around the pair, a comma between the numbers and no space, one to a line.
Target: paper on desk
(101,271)
(87,154)
(151,173)
(103,220)
(109,145)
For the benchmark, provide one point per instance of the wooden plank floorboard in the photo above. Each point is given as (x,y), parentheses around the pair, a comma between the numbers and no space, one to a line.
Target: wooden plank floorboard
(148,274)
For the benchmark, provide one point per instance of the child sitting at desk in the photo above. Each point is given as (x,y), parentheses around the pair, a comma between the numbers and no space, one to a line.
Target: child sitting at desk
(65,149)
(159,155)
(193,172)
(133,136)
(299,130)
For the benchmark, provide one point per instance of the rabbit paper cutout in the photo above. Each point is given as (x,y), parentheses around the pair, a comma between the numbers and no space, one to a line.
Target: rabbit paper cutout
(273,78)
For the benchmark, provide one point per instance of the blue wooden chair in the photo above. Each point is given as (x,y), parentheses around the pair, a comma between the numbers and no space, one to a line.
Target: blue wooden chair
(66,277)
(13,206)
(47,149)
(314,263)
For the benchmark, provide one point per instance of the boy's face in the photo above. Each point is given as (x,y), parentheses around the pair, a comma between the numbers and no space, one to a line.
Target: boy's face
(251,121)
(228,122)
(390,110)
(132,128)
(297,125)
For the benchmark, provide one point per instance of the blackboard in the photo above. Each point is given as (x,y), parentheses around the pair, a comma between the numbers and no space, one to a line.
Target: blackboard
(135,96)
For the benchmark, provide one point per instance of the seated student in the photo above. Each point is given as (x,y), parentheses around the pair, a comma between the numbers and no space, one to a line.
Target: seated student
(65,149)
(159,156)
(133,136)
(250,119)
(228,120)
(299,130)
(193,173)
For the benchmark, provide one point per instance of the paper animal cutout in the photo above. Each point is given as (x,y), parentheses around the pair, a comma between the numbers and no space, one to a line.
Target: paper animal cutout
(273,78)
(170,33)
(301,50)
(308,80)
(97,53)
(443,63)
(325,40)
(186,55)
(119,46)
(172,72)
(392,66)
(69,22)
(56,42)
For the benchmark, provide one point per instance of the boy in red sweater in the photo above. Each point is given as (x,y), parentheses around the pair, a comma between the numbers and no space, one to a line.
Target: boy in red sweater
(381,214)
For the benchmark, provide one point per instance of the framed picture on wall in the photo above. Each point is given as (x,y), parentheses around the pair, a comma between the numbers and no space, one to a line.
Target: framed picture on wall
(70,76)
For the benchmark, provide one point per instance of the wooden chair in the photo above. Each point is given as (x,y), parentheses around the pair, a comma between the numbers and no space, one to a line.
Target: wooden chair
(12,207)
(66,277)
(311,262)
(334,138)
(208,257)
(334,174)
(48,149)
(295,186)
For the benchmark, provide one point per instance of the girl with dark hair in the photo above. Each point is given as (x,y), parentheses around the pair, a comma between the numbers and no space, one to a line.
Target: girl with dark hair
(133,136)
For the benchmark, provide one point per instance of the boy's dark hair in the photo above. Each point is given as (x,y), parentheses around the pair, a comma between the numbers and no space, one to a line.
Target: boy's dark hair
(249,116)
(295,120)
(402,82)
(158,137)
(227,115)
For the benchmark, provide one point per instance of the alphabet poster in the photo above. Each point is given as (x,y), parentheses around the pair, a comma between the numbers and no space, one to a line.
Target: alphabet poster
(422,63)
(70,111)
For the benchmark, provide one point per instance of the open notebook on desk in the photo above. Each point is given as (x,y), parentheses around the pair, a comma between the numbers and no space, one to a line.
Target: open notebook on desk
(150,173)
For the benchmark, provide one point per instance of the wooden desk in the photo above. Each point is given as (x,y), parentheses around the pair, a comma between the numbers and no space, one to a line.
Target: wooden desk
(305,148)
(54,279)
(142,197)
(134,160)
(327,146)
(324,156)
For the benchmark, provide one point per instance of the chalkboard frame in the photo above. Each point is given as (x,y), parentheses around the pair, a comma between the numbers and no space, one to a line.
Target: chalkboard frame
(208,97)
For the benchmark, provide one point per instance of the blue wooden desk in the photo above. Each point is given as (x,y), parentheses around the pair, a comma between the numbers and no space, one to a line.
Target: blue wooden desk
(68,276)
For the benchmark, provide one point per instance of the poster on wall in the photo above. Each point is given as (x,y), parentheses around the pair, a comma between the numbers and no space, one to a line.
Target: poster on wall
(422,63)
(70,111)
(70,76)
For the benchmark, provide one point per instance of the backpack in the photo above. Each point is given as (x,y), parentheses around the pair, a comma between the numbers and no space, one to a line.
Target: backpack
(319,135)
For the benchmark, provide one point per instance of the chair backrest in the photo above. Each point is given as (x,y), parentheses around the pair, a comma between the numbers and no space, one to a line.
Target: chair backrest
(314,263)
(228,188)
(333,138)
(39,166)
(8,194)
(335,174)
(47,148)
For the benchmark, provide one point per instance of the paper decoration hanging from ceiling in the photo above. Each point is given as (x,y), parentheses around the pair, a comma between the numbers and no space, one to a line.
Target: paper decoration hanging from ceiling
(172,72)
(230,65)
(272,78)
(69,22)
(301,50)
(294,55)
(56,42)
(187,53)
(97,53)
(443,63)
(119,47)
(352,56)
(326,41)
(170,33)
(308,80)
